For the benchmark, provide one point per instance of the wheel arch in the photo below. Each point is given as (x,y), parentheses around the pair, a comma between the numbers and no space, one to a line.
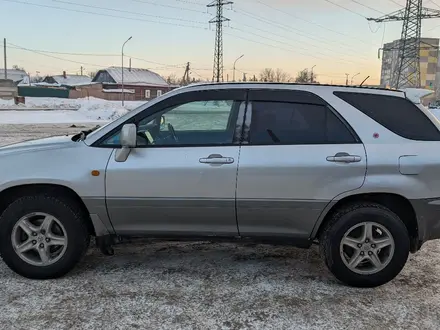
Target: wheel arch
(10,194)
(396,203)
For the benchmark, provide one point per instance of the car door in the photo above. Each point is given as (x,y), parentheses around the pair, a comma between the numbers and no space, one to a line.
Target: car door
(182,180)
(298,154)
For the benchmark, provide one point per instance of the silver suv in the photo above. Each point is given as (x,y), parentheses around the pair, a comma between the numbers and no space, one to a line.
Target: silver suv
(355,170)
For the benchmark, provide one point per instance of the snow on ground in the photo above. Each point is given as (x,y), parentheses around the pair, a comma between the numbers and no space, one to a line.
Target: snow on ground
(58,110)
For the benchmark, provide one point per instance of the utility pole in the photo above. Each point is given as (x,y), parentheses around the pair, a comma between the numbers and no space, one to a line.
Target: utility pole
(186,79)
(346,80)
(233,78)
(311,74)
(6,64)
(408,65)
(352,78)
(122,70)
(218,52)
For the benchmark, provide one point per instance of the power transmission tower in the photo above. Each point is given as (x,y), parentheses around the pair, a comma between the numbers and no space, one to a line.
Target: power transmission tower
(408,65)
(218,53)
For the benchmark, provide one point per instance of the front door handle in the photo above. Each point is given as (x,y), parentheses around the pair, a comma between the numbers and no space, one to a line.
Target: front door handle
(216,159)
(343,157)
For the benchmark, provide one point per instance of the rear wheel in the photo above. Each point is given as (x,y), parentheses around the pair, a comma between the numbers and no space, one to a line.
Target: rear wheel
(365,245)
(42,236)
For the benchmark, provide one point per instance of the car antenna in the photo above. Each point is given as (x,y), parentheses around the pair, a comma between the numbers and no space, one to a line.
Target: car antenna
(364,81)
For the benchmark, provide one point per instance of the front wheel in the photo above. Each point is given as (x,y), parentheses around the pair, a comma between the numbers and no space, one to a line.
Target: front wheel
(365,245)
(42,236)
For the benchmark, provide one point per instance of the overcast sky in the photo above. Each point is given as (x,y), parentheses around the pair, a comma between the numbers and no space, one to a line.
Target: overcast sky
(290,34)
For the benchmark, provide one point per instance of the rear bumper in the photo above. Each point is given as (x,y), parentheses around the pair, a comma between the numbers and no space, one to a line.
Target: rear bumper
(428,219)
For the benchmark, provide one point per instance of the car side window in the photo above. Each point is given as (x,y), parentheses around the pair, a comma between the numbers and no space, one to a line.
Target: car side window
(397,114)
(296,123)
(190,124)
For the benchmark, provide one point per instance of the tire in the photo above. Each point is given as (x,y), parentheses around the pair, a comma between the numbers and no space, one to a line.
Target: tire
(361,214)
(74,232)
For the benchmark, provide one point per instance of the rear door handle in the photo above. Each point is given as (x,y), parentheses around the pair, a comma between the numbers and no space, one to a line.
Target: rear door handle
(216,159)
(343,157)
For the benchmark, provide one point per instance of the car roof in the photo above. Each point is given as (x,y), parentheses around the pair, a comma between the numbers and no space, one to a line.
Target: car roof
(288,86)
(260,84)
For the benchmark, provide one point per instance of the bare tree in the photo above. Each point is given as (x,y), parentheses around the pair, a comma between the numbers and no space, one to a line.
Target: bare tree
(172,79)
(306,76)
(92,74)
(303,76)
(271,75)
(281,76)
(267,75)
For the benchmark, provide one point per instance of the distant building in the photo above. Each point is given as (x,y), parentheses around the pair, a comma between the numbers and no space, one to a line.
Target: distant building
(67,80)
(17,76)
(143,83)
(429,63)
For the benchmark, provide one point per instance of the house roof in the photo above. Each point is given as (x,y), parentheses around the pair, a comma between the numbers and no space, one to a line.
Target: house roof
(135,76)
(14,75)
(72,80)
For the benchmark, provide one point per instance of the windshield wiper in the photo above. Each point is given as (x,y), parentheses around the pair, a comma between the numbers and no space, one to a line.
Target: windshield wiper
(81,136)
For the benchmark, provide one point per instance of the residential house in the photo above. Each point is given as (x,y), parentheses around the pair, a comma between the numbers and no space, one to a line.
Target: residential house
(17,76)
(67,80)
(143,83)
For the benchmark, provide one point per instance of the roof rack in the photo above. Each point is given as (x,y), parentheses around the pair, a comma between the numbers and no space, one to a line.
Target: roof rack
(292,84)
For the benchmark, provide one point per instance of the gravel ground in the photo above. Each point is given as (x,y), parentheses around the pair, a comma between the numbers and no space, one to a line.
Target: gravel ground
(213,286)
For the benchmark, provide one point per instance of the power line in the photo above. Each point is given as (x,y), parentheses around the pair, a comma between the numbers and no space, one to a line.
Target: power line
(56,57)
(43,52)
(273,46)
(169,6)
(192,3)
(345,8)
(371,8)
(126,11)
(101,14)
(294,46)
(285,43)
(147,61)
(434,3)
(281,42)
(64,53)
(305,20)
(395,2)
(291,29)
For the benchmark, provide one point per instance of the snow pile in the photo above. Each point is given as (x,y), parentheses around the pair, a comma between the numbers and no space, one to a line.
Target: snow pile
(41,103)
(57,110)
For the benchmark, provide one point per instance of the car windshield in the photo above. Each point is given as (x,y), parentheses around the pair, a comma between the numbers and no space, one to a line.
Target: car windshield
(121,119)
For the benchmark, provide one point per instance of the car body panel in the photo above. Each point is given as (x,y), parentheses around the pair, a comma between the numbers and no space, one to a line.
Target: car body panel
(58,161)
(283,190)
(160,190)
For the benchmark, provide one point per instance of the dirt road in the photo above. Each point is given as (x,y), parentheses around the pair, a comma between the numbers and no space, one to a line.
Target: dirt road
(214,286)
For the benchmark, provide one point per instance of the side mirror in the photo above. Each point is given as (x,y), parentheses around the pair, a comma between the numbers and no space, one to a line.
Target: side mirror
(128,141)
(128,136)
